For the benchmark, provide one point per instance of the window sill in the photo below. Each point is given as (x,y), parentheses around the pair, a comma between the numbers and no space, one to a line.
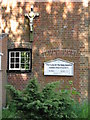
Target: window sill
(18,71)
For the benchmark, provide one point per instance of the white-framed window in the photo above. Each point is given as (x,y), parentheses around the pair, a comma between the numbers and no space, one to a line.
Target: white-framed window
(20,60)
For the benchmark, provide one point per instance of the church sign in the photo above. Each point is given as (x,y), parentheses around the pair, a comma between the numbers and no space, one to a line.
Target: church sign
(59,67)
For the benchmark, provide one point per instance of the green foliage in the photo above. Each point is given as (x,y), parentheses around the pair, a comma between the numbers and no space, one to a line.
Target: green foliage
(81,109)
(9,112)
(48,104)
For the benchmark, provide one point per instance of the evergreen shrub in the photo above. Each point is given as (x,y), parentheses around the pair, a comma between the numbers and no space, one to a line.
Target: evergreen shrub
(50,103)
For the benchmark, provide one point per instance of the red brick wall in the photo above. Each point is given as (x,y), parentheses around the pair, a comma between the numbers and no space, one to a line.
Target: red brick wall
(60,31)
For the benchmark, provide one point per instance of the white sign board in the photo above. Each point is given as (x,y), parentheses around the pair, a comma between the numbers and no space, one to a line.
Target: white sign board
(59,67)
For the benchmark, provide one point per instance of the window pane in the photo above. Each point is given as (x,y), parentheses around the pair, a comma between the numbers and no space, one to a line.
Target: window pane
(17,54)
(12,54)
(12,59)
(12,65)
(16,65)
(29,55)
(17,59)
(27,66)
(22,65)
(28,60)
(22,60)
(23,54)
